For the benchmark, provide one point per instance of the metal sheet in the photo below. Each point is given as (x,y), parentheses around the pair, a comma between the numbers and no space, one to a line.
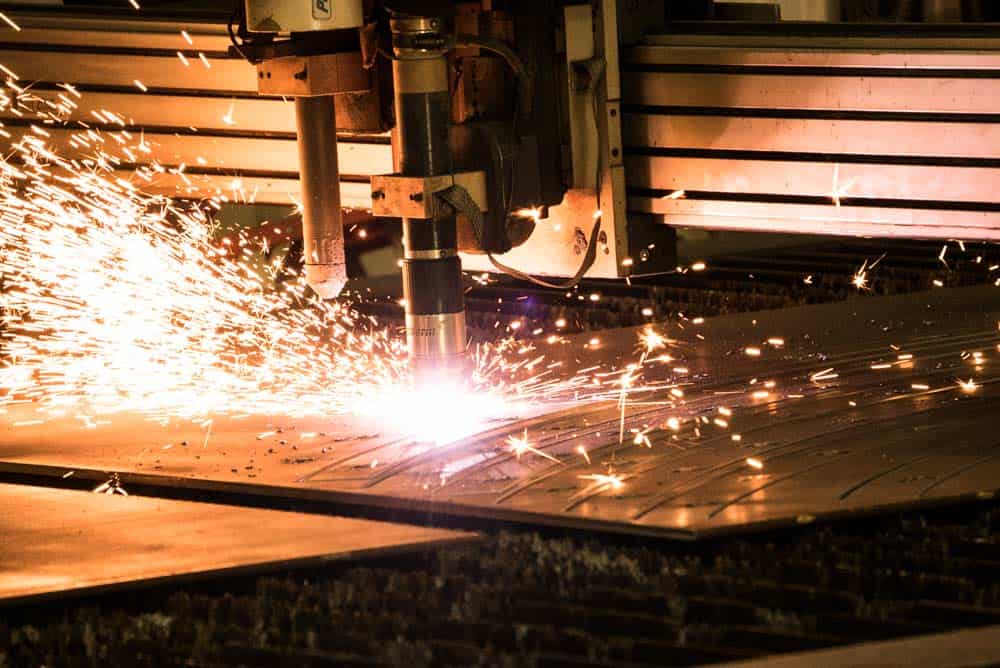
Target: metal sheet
(58,541)
(864,441)
(958,649)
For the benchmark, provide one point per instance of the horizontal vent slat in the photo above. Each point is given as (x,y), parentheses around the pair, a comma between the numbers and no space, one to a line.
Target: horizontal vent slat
(115,70)
(919,138)
(812,58)
(262,190)
(904,182)
(812,92)
(825,219)
(264,115)
(227,153)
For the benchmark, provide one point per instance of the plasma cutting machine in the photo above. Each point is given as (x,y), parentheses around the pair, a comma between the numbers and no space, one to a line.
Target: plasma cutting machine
(470,145)
(549,139)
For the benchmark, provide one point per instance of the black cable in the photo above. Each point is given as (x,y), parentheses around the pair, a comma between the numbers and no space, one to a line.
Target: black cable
(591,256)
(236,18)
(526,82)
(458,198)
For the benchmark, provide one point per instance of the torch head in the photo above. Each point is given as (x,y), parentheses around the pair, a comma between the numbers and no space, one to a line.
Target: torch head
(326,280)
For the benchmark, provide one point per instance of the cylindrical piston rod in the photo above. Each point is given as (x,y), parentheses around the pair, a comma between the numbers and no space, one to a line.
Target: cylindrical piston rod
(322,229)
(432,271)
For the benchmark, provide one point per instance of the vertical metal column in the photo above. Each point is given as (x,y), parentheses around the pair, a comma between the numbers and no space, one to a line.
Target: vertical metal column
(432,271)
(322,229)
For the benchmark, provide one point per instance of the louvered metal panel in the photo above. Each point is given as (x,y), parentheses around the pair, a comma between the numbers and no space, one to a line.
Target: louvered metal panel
(202,113)
(854,135)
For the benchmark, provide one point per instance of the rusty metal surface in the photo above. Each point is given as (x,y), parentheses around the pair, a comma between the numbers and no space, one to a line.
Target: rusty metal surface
(862,441)
(58,541)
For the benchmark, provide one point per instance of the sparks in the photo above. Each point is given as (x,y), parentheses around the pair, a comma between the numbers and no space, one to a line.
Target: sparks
(228,117)
(968,386)
(608,480)
(520,445)
(840,190)
(145,309)
(534,213)
(652,340)
(825,374)
(6,19)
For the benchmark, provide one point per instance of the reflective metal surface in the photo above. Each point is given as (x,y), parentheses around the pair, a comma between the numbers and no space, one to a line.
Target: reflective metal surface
(58,541)
(441,335)
(851,424)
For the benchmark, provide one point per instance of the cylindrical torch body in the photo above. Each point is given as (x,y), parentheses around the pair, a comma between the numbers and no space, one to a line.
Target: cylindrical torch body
(432,271)
(322,228)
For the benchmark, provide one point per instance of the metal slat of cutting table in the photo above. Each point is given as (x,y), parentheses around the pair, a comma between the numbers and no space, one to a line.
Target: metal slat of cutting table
(867,440)
(881,136)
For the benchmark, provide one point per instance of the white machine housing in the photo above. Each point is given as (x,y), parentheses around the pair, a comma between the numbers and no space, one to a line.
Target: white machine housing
(287,16)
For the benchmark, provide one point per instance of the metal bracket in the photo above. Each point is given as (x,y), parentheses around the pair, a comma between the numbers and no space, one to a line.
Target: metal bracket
(309,76)
(396,196)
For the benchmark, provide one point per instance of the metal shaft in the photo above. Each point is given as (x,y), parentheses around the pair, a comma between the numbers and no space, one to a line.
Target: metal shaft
(322,229)
(432,271)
